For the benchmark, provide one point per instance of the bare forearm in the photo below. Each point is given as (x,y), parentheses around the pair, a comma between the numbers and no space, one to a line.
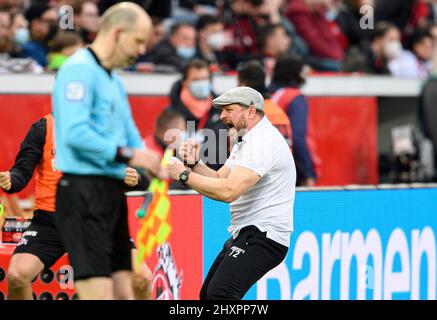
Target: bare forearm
(203,170)
(214,188)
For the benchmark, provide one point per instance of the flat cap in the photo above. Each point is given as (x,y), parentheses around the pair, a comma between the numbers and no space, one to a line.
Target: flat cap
(240,95)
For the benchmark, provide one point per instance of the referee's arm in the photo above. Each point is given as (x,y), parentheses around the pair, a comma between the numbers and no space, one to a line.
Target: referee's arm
(224,189)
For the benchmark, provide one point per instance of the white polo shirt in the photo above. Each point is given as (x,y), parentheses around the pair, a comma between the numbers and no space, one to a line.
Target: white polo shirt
(268,205)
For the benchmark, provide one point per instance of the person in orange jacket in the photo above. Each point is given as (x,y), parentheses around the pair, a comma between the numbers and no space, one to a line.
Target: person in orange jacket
(40,246)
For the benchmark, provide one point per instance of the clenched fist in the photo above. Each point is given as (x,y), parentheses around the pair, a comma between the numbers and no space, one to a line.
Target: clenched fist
(131,177)
(175,168)
(5,181)
(188,151)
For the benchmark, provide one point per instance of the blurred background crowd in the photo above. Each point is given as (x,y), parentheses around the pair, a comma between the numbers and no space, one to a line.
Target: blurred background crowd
(370,36)
(270,45)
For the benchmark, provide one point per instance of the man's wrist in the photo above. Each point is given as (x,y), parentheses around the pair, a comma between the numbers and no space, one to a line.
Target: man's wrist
(191,165)
(124,154)
(7,188)
(183,177)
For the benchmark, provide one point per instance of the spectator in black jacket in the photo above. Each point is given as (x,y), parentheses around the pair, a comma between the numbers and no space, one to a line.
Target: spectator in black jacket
(175,51)
(192,97)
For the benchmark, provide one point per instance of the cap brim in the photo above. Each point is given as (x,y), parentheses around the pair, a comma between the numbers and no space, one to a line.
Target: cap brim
(224,104)
(220,105)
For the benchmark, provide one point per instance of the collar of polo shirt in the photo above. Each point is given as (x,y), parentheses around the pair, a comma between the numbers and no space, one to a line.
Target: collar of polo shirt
(262,123)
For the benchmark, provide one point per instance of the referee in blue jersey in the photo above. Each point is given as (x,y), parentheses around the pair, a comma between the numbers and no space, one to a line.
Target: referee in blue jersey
(96,138)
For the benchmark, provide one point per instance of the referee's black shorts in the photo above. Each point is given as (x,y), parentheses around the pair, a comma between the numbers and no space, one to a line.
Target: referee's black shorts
(91,216)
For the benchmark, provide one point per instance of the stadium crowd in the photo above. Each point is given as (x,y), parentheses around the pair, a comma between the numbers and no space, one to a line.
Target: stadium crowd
(378,37)
(200,38)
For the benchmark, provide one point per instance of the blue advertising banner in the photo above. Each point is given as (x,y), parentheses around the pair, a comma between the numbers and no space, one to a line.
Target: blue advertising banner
(361,244)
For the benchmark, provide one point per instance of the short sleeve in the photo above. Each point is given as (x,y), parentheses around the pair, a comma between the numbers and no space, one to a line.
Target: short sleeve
(256,155)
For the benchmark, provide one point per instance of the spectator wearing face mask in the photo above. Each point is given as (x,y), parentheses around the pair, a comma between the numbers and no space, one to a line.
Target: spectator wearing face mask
(9,51)
(175,51)
(211,40)
(385,46)
(43,27)
(20,32)
(192,97)
(415,62)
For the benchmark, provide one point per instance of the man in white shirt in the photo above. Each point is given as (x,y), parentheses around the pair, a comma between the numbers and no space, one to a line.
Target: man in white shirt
(258,180)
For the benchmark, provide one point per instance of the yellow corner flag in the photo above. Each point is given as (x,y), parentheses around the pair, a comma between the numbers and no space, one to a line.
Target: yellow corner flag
(154,228)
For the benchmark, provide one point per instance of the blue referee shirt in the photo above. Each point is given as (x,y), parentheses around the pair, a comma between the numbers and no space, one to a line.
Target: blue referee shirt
(93,118)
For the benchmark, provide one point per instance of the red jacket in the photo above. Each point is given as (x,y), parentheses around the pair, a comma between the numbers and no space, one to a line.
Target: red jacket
(313,27)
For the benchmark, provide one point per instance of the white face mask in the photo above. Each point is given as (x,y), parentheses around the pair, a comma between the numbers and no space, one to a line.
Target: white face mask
(392,49)
(21,36)
(331,14)
(217,41)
